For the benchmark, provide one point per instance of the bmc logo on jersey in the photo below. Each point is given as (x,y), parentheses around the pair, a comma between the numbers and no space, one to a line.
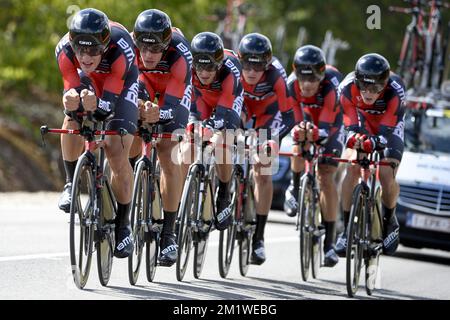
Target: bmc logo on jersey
(129,52)
(186,100)
(185,51)
(233,68)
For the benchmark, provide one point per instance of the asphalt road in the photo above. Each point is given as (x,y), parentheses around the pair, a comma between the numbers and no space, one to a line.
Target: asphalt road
(34,264)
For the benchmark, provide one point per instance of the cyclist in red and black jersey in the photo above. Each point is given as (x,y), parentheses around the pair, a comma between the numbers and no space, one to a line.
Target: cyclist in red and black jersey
(98,67)
(373,100)
(266,99)
(313,85)
(216,102)
(164,62)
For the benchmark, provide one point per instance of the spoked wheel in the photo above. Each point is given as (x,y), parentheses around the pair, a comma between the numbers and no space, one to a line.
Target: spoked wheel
(306,212)
(228,236)
(152,244)
(81,216)
(139,209)
(201,244)
(246,237)
(355,239)
(317,241)
(373,260)
(106,235)
(187,212)
(244,253)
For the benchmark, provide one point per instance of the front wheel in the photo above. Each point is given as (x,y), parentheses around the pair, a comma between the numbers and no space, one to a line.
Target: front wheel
(139,209)
(306,214)
(228,236)
(355,239)
(187,212)
(81,221)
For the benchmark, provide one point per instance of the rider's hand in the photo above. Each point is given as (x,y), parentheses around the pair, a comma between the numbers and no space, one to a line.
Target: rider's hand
(89,100)
(150,112)
(71,100)
(312,132)
(355,141)
(299,133)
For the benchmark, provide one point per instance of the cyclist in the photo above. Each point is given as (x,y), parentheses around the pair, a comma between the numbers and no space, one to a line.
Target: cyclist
(106,84)
(266,98)
(217,102)
(313,86)
(373,99)
(164,62)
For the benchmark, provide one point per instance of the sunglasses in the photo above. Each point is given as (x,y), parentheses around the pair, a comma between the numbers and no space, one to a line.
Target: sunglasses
(258,67)
(210,67)
(89,50)
(369,87)
(308,77)
(153,48)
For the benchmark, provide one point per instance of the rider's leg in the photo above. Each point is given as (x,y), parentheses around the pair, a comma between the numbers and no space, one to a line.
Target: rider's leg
(71,147)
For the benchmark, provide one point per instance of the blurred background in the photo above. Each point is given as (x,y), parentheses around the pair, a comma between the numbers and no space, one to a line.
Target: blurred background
(31,85)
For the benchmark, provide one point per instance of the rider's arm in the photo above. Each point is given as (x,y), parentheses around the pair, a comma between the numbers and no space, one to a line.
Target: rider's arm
(179,89)
(285,107)
(114,85)
(393,119)
(229,105)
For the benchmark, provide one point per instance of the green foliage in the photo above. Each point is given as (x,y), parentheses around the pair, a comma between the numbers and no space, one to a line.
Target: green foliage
(32,28)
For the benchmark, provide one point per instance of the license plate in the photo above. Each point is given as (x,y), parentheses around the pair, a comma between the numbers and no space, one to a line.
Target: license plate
(421,221)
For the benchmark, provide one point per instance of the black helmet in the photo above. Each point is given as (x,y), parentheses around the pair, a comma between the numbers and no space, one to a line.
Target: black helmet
(255,50)
(309,63)
(152,29)
(89,32)
(372,72)
(207,51)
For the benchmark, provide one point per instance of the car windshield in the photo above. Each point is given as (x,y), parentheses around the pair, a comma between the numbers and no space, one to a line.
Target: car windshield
(433,136)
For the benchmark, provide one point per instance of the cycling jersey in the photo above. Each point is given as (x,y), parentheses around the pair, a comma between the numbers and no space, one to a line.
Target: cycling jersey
(268,101)
(385,117)
(114,81)
(323,109)
(224,95)
(170,81)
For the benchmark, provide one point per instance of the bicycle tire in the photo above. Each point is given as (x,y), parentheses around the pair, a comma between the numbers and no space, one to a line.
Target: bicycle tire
(317,243)
(227,237)
(152,243)
(82,191)
(139,209)
(372,265)
(106,234)
(305,211)
(354,238)
(201,245)
(249,211)
(186,214)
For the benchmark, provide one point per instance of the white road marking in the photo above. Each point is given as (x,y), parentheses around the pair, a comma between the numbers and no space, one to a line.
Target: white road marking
(66,254)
